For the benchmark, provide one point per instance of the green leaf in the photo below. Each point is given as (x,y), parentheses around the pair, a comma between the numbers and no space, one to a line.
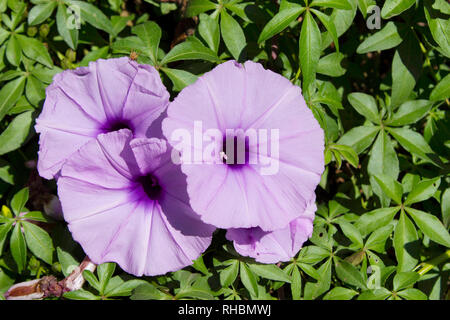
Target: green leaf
(37,216)
(191,49)
(365,105)
(18,248)
(445,206)
(4,230)
(340,293)
(406,69)
(269,271)
(410,112)
(313,254)
(405,244)
(364,5)
(442,89)
(16,132)
(352,233)
(93,15)
(6,172)
(125,289)
(67,261)
(412,294)
(13,51)
(3,35)
(393,8)
(70,35)
(38,241)
(387,38)
(91,279)
(431,226)
(337,4)
(403,280)
(413,142)
(19,200)
(439,26)
(81,295)
(329,25)
(377,239)
(390,187)
(309,49)
(148,291)
(342,20)
(423,191)
(280,21)
(309,270)
(248,279)
(229,274)
(359,138)
(105,272)
(41,12)
(35,50)
(196,7)
(383,158)
(209,30)
(232,35)
(348,153)
(296,286)
(313,290)
(376,294)
(375,219)
(349,274)
(34,90)
(330,65)
(150,33)
(179,78)
(94,55)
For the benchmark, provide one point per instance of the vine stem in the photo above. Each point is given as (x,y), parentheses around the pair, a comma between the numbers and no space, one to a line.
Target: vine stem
(424,267)
(48,286)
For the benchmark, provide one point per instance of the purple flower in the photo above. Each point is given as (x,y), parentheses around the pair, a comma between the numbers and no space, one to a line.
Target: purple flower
(269,180)
(106,96)
(126,202)
(278,245)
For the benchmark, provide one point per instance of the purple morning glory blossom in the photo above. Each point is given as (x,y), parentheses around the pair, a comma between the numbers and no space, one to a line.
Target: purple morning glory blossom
(239,194)
(126,202)
(278,245)
(106,96)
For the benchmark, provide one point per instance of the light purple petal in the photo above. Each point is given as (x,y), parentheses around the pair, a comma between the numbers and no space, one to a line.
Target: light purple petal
(275,246)
(111,217)
(87,101)
(232,96)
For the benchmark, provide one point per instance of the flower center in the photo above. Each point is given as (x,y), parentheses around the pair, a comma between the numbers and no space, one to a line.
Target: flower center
(235,151)
(115,125)
(151,186)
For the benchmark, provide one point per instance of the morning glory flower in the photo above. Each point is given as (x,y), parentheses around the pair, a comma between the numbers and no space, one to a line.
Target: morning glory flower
(250,147)
(83,103)
(278,245)
(126,202)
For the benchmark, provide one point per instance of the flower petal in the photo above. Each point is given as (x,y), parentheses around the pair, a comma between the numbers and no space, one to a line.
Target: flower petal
(275,246)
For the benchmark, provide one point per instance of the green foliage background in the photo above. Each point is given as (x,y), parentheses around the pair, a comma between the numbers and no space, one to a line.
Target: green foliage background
(382,97)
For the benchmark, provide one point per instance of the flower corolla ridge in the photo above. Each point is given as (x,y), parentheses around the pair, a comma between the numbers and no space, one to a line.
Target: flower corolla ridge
(251,149)
(126,202)
(106,96)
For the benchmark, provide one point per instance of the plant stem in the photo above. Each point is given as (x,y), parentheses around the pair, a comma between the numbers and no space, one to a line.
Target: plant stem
(427,266)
